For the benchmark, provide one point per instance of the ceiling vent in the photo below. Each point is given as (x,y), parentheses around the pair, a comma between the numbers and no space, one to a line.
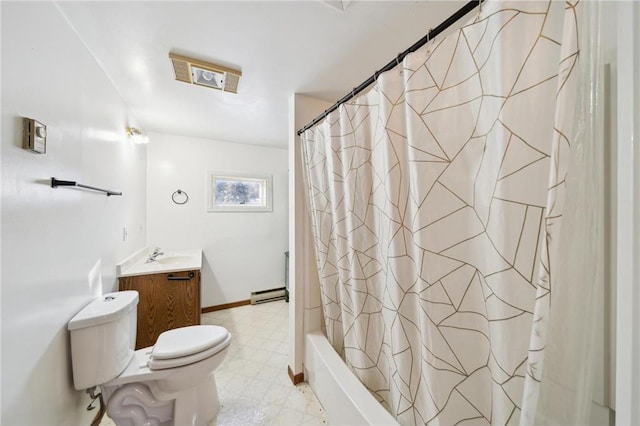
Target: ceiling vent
(189,70)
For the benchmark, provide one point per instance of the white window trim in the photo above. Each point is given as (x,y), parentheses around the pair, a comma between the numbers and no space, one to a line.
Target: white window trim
(211,199)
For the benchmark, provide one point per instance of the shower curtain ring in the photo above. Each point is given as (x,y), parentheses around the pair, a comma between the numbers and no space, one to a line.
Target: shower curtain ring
(398,58)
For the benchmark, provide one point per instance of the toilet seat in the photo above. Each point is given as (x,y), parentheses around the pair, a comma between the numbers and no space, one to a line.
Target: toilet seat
(186,345)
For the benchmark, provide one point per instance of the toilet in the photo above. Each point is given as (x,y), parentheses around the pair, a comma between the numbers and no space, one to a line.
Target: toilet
(170,383)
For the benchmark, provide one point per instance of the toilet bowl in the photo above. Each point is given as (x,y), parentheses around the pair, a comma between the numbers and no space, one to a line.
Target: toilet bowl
(170,383)
(180,386)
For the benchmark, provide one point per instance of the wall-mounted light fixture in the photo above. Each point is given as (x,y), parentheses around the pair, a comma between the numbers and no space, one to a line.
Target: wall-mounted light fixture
(136,136)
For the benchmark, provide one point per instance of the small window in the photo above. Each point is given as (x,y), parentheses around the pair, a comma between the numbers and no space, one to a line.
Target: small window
(229,192)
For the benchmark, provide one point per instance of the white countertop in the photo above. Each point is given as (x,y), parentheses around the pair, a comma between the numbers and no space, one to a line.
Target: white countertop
(169,261)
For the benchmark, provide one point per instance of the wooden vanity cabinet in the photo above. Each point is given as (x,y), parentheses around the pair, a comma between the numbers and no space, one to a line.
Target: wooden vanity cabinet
(167,301)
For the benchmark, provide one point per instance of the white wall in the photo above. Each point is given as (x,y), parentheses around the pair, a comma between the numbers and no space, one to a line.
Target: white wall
(53,238)
(243,252)
(306,304)
(627,267)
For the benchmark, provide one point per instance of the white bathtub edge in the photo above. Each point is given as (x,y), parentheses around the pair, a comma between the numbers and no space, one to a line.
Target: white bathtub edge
(345,400)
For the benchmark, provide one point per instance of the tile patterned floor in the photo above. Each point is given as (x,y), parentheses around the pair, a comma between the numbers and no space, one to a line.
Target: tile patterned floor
(253,384)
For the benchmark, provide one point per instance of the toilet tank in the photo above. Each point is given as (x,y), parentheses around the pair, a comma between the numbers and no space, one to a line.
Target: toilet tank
(103,338)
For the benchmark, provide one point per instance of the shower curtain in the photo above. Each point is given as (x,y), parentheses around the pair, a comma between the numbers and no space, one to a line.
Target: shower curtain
(436,200)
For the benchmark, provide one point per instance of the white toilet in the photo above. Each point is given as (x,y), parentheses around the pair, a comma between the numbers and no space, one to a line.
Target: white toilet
(170,383)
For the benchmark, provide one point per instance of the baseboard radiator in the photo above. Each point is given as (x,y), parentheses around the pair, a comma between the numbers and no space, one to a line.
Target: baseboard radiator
(265,296)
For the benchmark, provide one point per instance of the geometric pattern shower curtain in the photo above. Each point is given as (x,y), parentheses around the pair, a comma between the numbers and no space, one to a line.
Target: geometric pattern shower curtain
(434,197)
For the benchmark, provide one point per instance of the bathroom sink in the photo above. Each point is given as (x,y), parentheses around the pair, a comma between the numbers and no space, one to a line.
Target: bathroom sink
(172,260)
(165,261)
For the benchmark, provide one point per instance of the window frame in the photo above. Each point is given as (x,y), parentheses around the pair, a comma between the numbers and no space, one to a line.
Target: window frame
(265,180)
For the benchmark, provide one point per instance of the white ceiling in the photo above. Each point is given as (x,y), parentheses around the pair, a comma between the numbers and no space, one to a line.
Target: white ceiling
(282,47)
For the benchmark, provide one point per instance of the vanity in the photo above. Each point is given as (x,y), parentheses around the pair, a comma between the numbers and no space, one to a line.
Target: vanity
(169,290)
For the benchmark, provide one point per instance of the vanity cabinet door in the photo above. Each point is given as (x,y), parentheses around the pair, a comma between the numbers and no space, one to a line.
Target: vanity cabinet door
(167,301)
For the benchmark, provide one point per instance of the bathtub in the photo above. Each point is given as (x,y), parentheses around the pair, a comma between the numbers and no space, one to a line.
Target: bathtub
(345,400)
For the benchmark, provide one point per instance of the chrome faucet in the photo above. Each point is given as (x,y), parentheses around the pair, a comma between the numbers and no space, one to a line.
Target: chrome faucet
(154,255)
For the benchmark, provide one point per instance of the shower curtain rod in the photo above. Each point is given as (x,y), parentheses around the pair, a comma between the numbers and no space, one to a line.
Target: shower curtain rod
(424,40)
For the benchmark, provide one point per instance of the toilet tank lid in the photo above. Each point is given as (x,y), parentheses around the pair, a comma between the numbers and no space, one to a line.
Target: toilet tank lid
(106,308)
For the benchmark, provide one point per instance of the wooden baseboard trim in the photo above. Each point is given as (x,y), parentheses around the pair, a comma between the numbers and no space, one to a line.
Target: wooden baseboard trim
(225,306)
(297,378)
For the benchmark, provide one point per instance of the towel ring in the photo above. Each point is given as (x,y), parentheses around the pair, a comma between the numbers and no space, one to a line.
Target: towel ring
(178,194)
